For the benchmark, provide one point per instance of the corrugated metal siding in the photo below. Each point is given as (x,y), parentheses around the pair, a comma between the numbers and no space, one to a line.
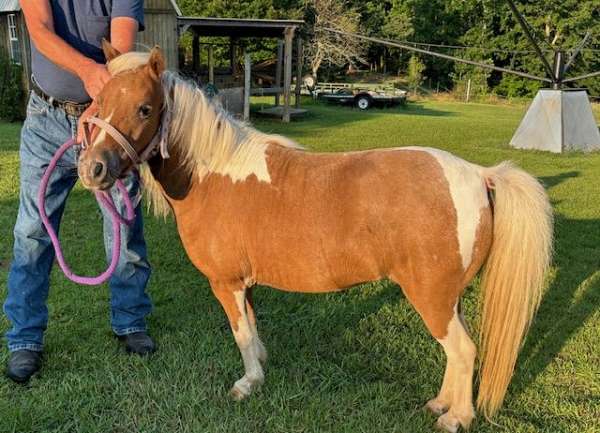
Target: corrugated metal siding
(9,6)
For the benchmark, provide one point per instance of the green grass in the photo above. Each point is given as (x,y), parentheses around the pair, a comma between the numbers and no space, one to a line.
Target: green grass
(360,361)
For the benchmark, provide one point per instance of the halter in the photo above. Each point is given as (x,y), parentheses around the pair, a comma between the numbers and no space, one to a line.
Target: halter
(158,142)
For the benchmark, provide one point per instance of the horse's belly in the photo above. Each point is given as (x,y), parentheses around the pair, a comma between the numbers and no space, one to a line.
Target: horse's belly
(327,271)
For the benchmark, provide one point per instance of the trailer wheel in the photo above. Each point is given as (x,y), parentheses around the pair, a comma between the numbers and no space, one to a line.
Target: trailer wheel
(363,102)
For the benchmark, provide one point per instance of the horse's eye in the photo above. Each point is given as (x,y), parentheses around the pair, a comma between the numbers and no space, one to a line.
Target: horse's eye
(144,111)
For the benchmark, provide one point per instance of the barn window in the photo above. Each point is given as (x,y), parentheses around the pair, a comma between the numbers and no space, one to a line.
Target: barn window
(13,39)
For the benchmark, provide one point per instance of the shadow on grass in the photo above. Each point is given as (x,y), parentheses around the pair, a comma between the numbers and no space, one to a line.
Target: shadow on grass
(552,181)
(323,115)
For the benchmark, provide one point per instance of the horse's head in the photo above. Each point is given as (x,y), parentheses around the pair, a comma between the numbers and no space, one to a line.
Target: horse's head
(132,103)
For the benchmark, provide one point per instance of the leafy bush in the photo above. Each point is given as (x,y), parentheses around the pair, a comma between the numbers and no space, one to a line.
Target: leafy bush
(11,89)
(414,74)
(478,76)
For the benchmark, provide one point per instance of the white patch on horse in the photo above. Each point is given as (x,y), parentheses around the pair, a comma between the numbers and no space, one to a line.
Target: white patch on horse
(102,134)
(458,380)
(123,91)
(244,337)
(469,195)
(242,165)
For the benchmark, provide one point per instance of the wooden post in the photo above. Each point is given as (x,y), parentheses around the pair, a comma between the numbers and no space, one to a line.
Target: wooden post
(468,90)
(247,85)
(196,53)
(299,65)
(287,73)
(278,70)
(211,65)
(233,55)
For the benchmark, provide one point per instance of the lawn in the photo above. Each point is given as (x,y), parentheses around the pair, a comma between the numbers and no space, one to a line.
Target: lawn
(360,361)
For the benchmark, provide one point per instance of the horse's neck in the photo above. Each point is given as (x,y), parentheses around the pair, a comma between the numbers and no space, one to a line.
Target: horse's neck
(174,180)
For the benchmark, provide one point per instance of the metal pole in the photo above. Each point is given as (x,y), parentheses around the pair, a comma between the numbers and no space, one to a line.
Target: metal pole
(582,77)
(559,70)
(534,44)
(440,55)
(575,53)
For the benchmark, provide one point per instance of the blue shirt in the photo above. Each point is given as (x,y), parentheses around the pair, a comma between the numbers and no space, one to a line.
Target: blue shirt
(82,24)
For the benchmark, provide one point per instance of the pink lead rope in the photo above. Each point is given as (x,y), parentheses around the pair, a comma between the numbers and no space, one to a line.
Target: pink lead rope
(105,200)
(158,144)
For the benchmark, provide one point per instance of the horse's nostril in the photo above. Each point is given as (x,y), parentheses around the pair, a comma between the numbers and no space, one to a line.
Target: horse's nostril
(97,169)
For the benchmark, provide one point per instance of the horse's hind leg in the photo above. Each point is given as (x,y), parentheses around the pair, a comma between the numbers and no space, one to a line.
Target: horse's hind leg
(438,309)
(262,352)
(458,378)
(233,300)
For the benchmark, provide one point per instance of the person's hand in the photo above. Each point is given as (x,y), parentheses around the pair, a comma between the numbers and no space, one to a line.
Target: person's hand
(94,77)
(92,110)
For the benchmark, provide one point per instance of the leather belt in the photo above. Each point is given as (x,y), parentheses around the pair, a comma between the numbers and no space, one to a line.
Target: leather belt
(71,108)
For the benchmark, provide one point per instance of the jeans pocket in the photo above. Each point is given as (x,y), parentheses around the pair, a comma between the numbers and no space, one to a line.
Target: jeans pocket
(36,105)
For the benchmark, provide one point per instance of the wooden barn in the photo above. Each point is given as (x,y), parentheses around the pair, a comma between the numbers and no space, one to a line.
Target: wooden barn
(14,39)
(160,18)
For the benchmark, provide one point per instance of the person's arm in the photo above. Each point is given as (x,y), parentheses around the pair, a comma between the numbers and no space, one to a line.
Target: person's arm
(38,16)
(123,31)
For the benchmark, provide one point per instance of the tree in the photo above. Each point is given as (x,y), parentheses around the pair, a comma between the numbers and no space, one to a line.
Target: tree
(415,73)
(329,47)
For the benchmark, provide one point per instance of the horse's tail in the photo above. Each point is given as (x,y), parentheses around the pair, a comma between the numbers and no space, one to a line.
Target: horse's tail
(513,276)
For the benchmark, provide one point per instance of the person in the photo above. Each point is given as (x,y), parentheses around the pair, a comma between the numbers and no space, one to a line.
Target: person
(68,72)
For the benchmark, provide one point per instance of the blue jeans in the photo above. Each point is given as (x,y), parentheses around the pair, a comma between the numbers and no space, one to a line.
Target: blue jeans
(44,131)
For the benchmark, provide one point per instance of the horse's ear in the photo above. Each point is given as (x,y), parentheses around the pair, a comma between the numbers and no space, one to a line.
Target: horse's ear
(156,63)
(110,52)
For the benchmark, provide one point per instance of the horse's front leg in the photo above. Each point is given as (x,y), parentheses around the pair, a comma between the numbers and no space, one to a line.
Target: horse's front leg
(232,297)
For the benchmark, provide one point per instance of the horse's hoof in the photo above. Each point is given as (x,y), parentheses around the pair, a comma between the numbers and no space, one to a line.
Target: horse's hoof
(435,407)
(237,394)
(448,423)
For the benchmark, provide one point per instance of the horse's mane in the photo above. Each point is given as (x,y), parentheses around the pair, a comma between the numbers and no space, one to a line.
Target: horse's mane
(207,138)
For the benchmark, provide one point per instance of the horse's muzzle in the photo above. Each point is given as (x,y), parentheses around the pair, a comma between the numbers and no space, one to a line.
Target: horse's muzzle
(98,170)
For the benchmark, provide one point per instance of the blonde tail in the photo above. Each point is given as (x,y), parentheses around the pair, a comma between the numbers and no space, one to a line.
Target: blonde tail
(513,276)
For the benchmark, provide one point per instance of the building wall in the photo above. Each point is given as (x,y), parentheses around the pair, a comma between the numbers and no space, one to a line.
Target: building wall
(25,48)
(161,30)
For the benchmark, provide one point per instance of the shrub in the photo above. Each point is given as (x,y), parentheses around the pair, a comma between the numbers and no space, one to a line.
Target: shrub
(415,75)
(11,89)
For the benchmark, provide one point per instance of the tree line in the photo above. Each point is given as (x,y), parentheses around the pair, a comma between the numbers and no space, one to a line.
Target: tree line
(483,30)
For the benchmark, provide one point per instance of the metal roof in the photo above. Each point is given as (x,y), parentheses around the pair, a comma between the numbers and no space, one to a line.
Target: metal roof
(237,27)
(9,6)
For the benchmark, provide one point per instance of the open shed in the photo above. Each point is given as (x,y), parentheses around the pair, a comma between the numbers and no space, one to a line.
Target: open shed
(235,85)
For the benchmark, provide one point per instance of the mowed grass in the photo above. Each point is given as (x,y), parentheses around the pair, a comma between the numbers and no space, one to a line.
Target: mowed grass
(358,361)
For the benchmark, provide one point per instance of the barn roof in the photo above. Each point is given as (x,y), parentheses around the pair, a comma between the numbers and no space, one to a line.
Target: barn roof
(9,6)
(237,27)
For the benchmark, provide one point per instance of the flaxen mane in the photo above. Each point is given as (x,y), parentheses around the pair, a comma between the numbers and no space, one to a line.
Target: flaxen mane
(209,138)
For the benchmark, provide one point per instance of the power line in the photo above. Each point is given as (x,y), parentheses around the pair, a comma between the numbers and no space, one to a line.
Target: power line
(440,55)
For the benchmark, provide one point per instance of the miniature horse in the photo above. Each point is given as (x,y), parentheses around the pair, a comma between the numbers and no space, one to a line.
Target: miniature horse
(253,208)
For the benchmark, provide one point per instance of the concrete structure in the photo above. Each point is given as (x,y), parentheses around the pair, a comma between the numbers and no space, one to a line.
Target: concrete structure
(558,121)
